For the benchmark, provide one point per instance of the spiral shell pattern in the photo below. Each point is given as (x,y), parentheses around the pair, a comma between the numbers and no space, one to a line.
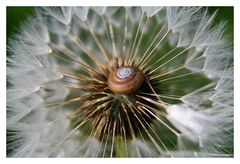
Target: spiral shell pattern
(125,72)
(125,80)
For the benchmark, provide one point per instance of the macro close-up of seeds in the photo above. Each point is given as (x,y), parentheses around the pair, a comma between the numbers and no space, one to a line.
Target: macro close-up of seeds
(120,82)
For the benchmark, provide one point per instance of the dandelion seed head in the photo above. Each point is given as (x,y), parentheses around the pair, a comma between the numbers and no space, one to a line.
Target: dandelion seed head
(62,101)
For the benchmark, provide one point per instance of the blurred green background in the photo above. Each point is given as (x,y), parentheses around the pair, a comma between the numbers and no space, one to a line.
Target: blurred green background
(16,15)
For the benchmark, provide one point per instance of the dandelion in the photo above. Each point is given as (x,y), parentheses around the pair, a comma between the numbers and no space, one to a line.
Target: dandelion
(120,82)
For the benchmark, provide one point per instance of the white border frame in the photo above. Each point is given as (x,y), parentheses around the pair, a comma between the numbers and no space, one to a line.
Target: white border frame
(235,3)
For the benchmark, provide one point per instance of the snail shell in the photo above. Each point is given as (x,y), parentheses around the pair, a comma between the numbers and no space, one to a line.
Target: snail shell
(125,80)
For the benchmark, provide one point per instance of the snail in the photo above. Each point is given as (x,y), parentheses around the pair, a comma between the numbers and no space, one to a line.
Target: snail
(125,80)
